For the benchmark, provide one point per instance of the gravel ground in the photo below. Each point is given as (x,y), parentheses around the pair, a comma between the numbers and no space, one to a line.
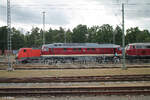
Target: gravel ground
(103,84)
(73,72)
(126,97)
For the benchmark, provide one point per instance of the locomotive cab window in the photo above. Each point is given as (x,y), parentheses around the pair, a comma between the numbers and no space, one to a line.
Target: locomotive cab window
(133,46)
(88,49)
(24,50)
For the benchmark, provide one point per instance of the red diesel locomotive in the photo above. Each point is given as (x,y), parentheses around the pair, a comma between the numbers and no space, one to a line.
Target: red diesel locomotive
(76,49)
(28,54)
(69,51)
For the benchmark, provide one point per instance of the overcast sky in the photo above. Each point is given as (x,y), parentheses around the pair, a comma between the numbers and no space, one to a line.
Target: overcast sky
(26,14)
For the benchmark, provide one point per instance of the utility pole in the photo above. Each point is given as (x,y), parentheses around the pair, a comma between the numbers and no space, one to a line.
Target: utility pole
(123,39)
(65,36)
(10,68)
(43,27)
(114,33)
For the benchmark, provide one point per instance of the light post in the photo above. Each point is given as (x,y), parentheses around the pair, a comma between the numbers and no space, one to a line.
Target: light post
(123,40)
(43,27)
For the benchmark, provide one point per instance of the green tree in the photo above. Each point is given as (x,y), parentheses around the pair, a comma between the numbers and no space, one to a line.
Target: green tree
(58,36)
(118,35)
(27,40)
(135,35)
(92,33)
(79,34)
(144,36)
(68,36)
(3,38)
(17,39)
(105,34)
(35,37)
(49,36)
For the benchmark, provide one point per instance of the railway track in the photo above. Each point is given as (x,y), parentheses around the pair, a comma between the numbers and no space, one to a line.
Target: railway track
(106,78)
(47,67)
(128,90)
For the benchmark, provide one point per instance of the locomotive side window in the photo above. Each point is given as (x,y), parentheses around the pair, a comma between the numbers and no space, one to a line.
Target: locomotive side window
(138,46)
(65,49)
(88,49)
(93,49)
(79,49)
(74,49)
(148,46)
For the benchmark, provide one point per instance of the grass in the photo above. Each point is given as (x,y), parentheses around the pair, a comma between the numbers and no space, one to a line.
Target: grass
(73,72)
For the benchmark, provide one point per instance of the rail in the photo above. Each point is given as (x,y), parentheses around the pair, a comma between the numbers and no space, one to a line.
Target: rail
(129,90)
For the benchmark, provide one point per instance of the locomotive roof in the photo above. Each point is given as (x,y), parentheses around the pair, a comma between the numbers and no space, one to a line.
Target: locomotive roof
(139,44)
(81,45)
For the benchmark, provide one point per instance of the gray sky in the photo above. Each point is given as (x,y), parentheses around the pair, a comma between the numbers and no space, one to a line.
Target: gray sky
(26,14)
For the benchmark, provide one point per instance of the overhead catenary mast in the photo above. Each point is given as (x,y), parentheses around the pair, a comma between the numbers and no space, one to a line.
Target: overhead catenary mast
(10,68)
(123,39)
(43,27)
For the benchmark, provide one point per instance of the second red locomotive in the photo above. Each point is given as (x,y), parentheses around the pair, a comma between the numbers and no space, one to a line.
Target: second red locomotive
(138,50)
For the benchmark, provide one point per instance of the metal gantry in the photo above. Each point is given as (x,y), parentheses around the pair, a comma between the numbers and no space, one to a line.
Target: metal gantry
(10,68)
